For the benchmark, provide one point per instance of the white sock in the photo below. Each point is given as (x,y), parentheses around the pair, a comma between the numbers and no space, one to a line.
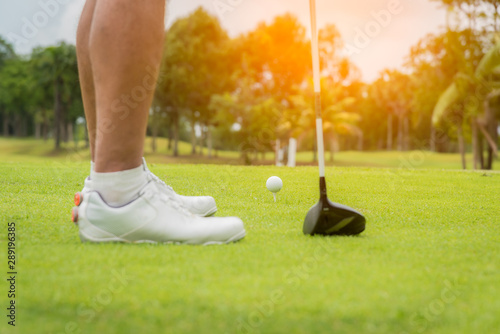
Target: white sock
(119,188)
(92,166)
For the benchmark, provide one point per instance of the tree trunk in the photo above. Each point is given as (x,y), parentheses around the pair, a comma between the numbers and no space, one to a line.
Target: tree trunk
(45,126)
(45,131)
(57,113)
(389,132)
(176,134)
(5,124)
(360,141)
(380,144)
(406,134)
(64,124)
(461,144)
(433,139)
(69,131)
(87,143)
(201,140)
(24,126)
(490,157)
(276,152)
(246,160)
(209,142)
(193,137)
(169,140)
(332,149)
(475,143)
(38,130)
(154,131)
(491,128)
(400,131)
(64,134)
(17,125)
(480,146)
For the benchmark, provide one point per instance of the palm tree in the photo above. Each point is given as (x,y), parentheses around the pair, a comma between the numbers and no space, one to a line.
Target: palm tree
(484,83)
(56,67)
(336,121)
(339,122)
(393,94)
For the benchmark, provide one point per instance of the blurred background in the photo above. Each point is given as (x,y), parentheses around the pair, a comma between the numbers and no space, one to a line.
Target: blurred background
(419,76)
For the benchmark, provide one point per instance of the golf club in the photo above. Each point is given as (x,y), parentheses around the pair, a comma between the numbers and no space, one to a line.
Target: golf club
(326,217)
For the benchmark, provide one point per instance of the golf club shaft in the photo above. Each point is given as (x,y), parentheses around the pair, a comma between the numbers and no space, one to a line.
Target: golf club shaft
(317,89)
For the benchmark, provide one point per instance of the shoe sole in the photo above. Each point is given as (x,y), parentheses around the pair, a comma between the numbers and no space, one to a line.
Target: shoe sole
(87,239)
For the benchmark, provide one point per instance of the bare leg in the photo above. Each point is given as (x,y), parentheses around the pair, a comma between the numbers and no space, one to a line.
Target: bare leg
(119,52)
(85,71)
(125,45)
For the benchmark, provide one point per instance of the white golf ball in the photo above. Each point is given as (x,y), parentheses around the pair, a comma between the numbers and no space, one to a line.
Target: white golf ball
(274,184)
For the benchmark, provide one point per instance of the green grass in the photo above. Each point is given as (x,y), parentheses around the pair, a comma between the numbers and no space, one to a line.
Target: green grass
(427,263)
(30,150)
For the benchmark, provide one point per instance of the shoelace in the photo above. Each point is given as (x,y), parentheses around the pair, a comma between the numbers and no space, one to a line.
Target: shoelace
(157,179)
(172,198)
(176,205)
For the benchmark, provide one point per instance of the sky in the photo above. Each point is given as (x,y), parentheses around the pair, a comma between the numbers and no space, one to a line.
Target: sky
(377,34)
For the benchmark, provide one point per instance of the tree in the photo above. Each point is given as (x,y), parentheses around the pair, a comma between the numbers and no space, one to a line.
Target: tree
(334,66)
(278,55)
(473,14)
(56,67)
(469,27)
(436,61)
(16,105)
(484,82)
(392,93)
(6,53)
(196,65)
(432,65)
(276,59)
(247,119)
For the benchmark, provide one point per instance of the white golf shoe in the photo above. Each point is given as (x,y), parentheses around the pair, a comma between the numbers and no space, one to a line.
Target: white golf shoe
(203,206)
(156,216)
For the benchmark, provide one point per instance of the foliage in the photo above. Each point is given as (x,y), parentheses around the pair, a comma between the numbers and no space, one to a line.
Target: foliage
(247,92)
(278,55)
(195,66)
(56,72)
